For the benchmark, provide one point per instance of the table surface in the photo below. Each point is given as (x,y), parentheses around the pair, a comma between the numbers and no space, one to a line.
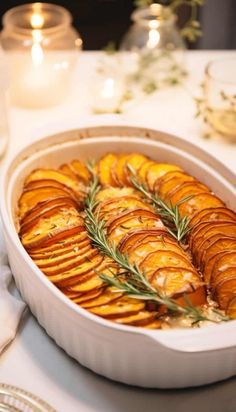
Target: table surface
(33,361)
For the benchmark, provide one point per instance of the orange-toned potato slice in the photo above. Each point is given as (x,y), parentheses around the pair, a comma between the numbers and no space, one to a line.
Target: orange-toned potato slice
(231,308)
(53,227)
(93,281)
(223,275)
(57,260)
(120,205)
(71,238)
(142,318)
(40,209)
(44,183)
(135,161)
(225,260)
(220,245)
(72,276)
(109,295)
(32,198)
(199,254)
(114,192)
(198,297)
(218,213)
(66,169)
(79,297)
(173,281)
(225,229)
(139,234)
(48,214)
(157,171)
(143,169)
(225,292)
(140,250)
(141,214)
(104,169)
(172,180)
(63,250)
(199,202)
(118,170)
(80,170)
(162,259)
(185,190)
(124,306)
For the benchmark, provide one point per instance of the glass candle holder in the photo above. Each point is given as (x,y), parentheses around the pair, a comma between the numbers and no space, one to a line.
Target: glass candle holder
(42,48)
(220,96)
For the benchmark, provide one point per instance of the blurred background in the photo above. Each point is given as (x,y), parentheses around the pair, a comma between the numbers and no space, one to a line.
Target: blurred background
(101,21)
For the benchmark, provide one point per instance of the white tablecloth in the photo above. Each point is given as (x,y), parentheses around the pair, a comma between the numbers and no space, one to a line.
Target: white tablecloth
(33,361)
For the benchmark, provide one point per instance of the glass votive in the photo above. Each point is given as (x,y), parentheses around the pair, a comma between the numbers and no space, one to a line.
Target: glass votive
(220,96)
(4,89)
(42,47)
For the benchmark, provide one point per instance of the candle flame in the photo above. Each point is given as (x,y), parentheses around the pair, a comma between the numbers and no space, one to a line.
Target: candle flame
(37,54)
(37,20)
(153,38)
(108,88)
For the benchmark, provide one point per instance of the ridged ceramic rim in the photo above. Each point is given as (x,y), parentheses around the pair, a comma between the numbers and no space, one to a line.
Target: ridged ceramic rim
(171,338)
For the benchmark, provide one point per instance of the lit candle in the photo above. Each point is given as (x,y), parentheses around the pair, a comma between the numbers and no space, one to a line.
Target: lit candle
(107,94)
(44,60)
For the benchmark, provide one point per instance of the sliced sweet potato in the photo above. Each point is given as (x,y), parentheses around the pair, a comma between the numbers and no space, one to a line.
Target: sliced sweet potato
(173,281)
(134,235)
(162,259)
(64,250)
(44,183)
(171,180)
(141,214)
(199,254)
(79,297)
(104,169)
(199,202)
(225,260)
(231,308)
(71,276)
(142,318)
(225,292)
(182,191)
(127,203)
(32,198)
(140,250)
(218,213)
(223,275)
(220,245)
(93,281)
(143,169)
(109,295)
(225,229)
(66,169)
(114,192)
(80,170)
(71,237)
(135,160)
(124,306)
(54,227)
(118,170)
(60,261)
(157,171)
(198,297)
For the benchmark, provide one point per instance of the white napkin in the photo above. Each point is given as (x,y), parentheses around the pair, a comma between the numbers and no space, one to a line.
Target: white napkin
(11,308)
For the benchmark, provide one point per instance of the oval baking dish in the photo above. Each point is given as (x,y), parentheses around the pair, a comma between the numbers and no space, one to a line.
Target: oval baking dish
(149,358)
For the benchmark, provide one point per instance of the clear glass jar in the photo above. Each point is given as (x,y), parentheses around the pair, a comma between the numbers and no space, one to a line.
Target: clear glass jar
(42,47)
(155,38)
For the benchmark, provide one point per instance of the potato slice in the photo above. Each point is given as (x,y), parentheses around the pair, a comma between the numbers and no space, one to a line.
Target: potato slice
(184,190)
(143,169)
(57,262)
(225,260)
(199,202)
(93,280)
(124,306)
(34,197)
(44,183)
(140,250)
(114,192)
(109,295)
(51,254)
(80,170)
(54,227)
(173,281)
(220,245)
(142,318)
(223,228)
(231,308)
(225,292)
(67,264)
(135,160)
(199,254)
(118,170)
(40,174)
(73,275)
(71,238)
(140,214)
(172,180)
(104,170)
(127,203)
(161,259)
(207,215)
(66,169)
(139,234)
(223,275)
(83,297)
(157,171)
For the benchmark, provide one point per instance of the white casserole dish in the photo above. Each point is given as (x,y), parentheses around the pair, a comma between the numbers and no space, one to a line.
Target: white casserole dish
(159,359)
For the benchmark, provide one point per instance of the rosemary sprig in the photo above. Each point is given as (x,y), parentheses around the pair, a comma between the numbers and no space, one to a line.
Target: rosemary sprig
(130,280)
(177,226)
